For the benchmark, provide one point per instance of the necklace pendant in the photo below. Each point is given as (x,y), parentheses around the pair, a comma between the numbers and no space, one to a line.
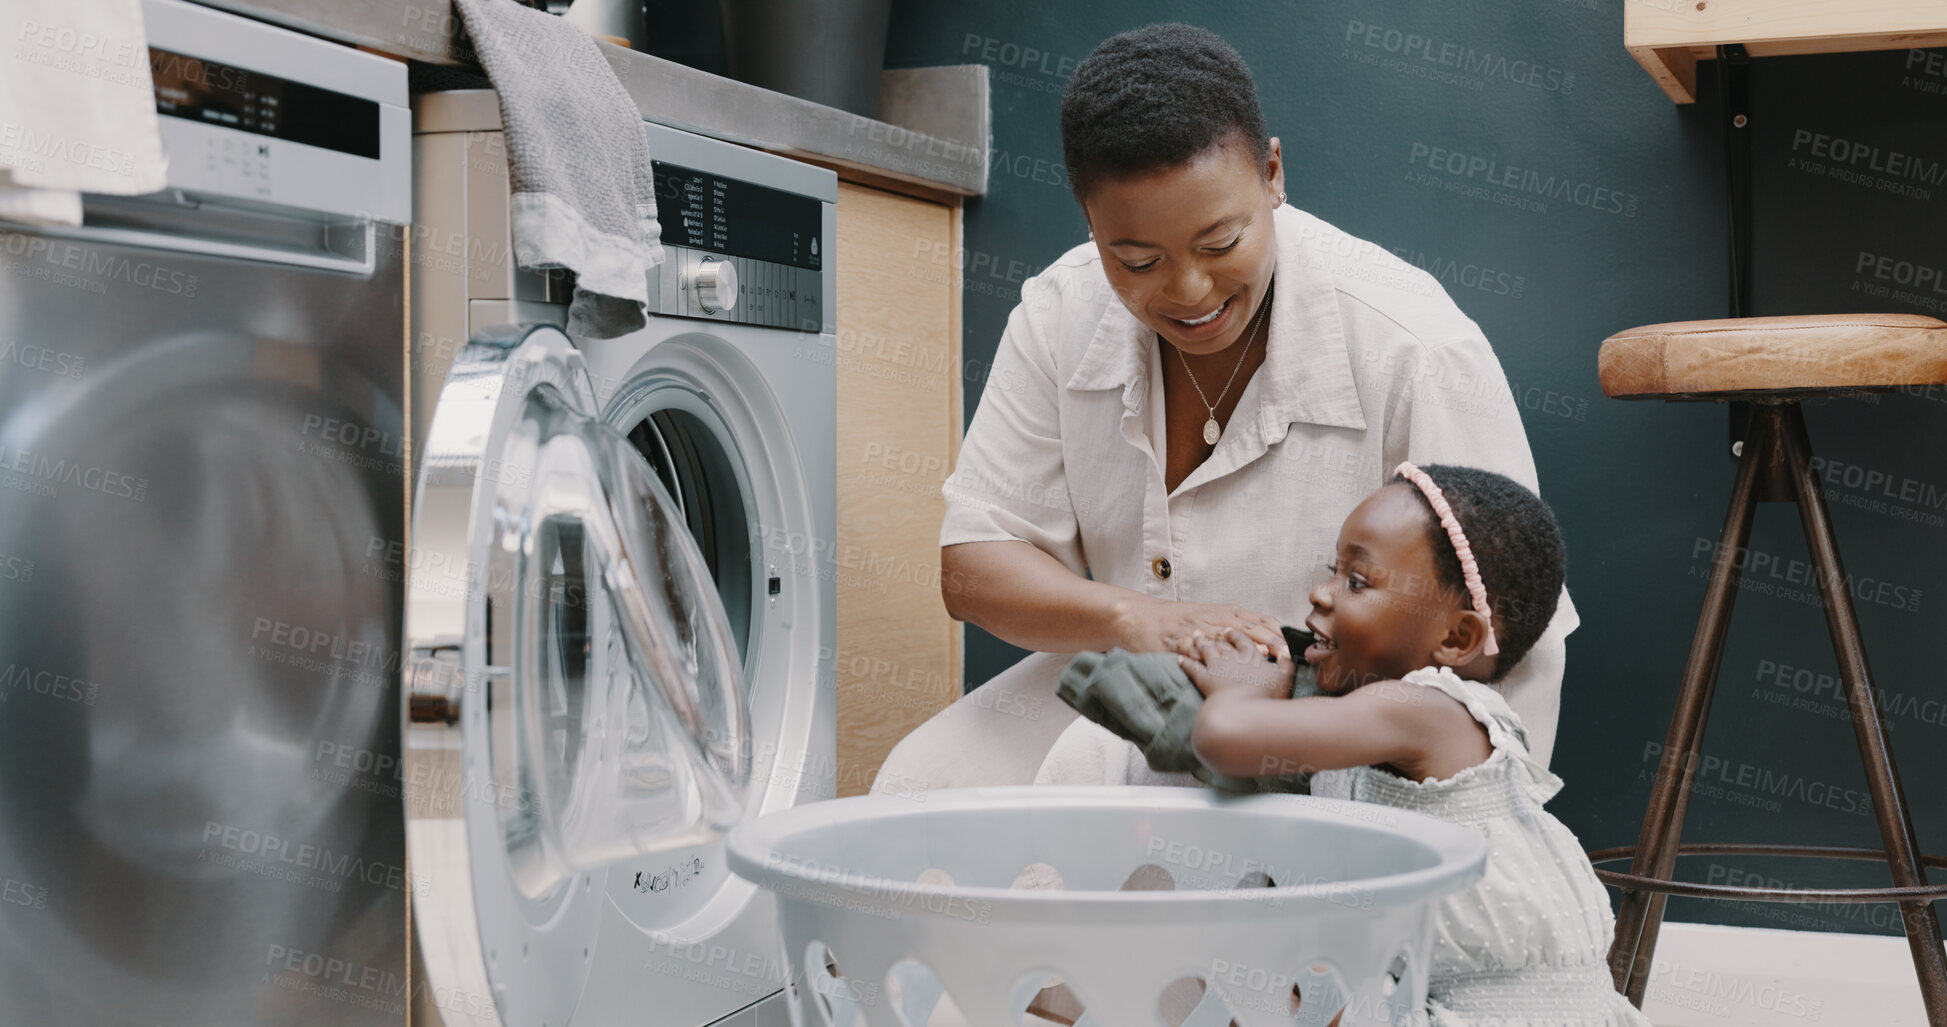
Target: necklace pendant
(1211,432)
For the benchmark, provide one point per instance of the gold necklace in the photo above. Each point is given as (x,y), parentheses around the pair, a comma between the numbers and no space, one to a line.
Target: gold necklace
(1211,431)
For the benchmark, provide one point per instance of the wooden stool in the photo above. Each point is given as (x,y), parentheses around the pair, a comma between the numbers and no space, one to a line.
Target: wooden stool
(1772,363)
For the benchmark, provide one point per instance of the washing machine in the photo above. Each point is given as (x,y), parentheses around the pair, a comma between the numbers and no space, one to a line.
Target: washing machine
(620,605)
(202,438)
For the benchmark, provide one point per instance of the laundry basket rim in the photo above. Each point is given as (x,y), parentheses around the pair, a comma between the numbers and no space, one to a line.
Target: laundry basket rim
(759,851)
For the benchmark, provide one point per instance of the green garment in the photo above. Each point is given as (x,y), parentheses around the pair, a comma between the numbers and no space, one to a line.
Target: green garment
(1146,699)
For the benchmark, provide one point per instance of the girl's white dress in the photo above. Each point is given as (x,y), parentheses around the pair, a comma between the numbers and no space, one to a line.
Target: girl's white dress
(1528,945)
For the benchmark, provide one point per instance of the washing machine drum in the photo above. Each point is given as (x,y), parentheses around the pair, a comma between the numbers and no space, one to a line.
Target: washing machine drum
(575,692)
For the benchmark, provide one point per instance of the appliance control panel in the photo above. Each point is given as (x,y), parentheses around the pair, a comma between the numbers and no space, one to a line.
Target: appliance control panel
(328,131)
(739,252)
(239,167)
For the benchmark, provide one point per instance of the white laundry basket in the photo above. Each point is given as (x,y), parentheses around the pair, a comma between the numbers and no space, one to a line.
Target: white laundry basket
(885,901)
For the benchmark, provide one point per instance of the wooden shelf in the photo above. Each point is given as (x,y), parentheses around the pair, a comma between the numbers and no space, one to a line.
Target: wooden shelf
(1669,37)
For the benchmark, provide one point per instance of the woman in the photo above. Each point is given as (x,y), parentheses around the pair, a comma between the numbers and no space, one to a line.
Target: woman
(1183,411)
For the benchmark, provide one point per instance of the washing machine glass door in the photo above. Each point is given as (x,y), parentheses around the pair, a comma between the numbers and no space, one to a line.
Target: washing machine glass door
(574,685)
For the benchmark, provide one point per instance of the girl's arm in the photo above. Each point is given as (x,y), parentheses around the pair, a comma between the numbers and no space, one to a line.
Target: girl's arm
(1245,735)
(1243,731)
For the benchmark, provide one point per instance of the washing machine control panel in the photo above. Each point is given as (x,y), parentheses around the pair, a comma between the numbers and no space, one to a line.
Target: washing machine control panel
(739,252)
(327,131)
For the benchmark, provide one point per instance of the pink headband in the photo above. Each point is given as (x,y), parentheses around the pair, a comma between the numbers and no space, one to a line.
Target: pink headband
(1469,570)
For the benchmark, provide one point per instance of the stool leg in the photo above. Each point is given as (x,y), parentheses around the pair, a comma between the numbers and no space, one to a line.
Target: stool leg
(1639,914)
(1882,776)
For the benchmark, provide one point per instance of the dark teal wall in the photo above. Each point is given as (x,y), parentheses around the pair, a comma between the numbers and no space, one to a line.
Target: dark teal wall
(1640,488)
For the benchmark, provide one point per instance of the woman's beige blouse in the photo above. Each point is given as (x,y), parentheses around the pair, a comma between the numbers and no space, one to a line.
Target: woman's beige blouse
(1370,363)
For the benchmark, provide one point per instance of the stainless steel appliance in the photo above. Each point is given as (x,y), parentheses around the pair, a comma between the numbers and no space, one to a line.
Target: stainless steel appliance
(711,435)
(202,443)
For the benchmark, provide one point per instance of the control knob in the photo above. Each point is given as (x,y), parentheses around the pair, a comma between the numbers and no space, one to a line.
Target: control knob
(716,285)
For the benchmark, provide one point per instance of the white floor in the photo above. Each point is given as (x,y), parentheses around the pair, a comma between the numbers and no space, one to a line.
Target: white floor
(1710,976)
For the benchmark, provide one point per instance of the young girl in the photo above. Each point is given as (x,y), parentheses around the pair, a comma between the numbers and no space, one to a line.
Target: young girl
(1444,579)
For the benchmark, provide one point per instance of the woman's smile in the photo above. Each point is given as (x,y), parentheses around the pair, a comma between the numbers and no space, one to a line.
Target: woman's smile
(1198,322)
(1210,325)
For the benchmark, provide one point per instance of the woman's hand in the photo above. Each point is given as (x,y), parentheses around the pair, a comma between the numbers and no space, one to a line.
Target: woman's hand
(1232,661)
(1156,625)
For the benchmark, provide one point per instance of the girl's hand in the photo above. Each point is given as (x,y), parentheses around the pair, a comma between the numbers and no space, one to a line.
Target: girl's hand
(1164,626)
(1232,661)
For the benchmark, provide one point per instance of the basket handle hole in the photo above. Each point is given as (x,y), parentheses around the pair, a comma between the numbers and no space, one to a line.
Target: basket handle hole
(1044,997)
(1317,994)
(1398,987)
(839,999)
(917,995)
(1393,974)
(1191,1002)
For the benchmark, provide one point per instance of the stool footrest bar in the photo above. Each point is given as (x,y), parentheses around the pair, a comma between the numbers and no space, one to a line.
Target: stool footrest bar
(1636,882)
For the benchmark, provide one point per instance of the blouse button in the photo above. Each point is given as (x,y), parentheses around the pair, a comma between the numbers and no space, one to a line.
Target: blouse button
(1160,567)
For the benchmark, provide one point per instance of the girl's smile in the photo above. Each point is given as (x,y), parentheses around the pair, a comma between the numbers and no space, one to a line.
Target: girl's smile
(1384,610)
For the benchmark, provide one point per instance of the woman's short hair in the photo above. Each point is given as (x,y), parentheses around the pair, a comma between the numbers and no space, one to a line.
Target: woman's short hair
(1153,98)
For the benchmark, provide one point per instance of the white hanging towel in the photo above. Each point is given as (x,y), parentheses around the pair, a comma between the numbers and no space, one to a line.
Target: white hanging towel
(77,107)
(578,163)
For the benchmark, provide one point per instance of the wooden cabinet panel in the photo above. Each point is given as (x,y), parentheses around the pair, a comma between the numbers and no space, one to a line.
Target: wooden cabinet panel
(899,417)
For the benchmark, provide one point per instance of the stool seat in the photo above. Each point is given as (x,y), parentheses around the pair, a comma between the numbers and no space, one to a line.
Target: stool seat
(1751,357)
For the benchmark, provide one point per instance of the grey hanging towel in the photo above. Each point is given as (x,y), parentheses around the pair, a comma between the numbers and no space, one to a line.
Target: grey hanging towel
(584,194)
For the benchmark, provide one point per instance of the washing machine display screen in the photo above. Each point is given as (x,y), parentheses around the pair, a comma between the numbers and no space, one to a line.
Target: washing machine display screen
(710,212)
(227,96)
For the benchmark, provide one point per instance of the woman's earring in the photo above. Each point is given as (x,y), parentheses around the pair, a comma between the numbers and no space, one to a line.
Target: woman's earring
(1280,202)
